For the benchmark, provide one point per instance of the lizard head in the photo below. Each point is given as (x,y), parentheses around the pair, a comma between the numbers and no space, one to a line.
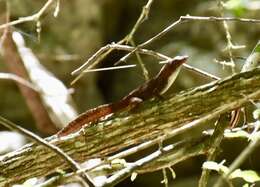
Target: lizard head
(176,61)
(170,71)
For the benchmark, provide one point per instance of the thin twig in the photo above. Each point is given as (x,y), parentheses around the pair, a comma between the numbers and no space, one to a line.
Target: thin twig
(34,17)
(74,165)
(109,68)
(124,173)
(156,37)
(18,79)
(165,178)
(230,45)
(152,53)
(103,53)
(219,19)
(183,19)
(143,16)
(7,18)
(141,63)
(130,37)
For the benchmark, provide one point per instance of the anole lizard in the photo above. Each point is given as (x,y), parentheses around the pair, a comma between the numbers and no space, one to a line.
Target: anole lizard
(152,88)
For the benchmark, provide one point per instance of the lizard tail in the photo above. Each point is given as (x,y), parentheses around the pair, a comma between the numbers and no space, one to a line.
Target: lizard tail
(91,115)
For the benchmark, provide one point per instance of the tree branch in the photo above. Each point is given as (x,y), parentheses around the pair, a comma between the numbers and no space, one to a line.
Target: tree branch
(74,165)
(151,122)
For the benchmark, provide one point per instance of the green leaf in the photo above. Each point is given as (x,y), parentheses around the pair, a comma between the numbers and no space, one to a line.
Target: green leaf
(248,175)
(237,7)
(257,48)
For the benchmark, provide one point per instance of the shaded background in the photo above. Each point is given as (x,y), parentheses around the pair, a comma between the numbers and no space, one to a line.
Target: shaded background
(83,26)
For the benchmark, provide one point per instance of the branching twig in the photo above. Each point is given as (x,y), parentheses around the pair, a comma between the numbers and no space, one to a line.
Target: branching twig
(103,52)
(74,165)
(219,19)
(34,17)
(165,178)
(152,53)
(126,172)
(141,63)
(130,37)
(143,16)
(185,19)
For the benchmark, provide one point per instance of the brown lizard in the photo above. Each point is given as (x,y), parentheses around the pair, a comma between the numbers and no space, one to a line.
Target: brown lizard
(152,88)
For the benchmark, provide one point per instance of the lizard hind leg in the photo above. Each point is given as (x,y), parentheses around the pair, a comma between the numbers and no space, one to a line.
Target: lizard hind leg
(134,102)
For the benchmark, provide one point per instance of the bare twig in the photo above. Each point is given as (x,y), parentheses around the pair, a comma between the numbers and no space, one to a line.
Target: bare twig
(103,53)
(230,46)
(141,63)
(7,18)
(74,165)
(219,19)
(156,37)
(109,68)
(124,173)
(185,19)
(130,37)
(152,53)
(143,16)
(34,17)
(18,79)
(165,178)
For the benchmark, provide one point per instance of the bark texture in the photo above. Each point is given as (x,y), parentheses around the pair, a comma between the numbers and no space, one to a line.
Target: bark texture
(150,120)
